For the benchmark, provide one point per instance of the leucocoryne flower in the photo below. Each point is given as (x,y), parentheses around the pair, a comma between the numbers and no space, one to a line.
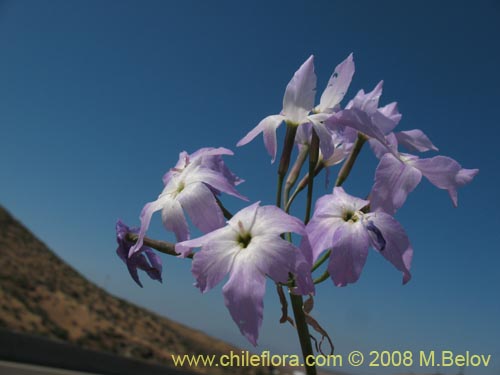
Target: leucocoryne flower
(144,259)
(248,248)
(298,103)
(340,224)
(191,186)
(397,173)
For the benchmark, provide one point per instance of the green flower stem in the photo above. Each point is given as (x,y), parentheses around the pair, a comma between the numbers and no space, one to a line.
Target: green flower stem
(303,331)
(302,185)
(291,130)
(297,302)
(162,246)
(349,163)
(321,260)
(322,278)
(313,161)
(294,173)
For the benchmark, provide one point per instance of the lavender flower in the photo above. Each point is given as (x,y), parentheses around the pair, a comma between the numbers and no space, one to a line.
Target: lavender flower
(340,224)
(191,187)
(398,174)
(144,259)
(248,248)
(298,102)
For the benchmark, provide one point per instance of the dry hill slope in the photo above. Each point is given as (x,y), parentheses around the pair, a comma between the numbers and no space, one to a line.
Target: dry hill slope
(42,295)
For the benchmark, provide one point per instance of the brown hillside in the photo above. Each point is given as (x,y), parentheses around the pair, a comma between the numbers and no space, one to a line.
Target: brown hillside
(42,295)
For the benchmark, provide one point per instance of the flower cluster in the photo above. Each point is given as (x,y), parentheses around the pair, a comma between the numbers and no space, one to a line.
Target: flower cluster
(256,243)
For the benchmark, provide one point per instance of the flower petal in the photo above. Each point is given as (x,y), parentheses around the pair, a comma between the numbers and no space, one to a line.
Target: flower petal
(394,180)
(367,102)
(272,256)
(147,212)
(273,220)
(298,100)
(268,125)
(243,296)
(320,231)
(199,202)
(212,178)
(359,120)
(397,249)
(222,234)
(349,253)
(415,140)
(391,111)
(304,284)
(326,139)
(213,262)
(174,220)
(445,173)
(337,85)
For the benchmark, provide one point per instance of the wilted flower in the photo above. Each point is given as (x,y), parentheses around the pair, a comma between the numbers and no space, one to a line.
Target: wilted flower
(340,224)
(144,259)
(249,247)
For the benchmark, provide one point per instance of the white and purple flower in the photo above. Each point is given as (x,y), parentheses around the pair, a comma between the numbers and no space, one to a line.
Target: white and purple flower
(248,248)
(298,103)
(190,187)
(340,224)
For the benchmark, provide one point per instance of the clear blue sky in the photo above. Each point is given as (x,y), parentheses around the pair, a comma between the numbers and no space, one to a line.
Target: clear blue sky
(97,98)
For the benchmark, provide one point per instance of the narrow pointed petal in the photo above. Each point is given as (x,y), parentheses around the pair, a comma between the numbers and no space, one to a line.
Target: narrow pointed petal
(359,120)
(199,202)
(213,263)
(368,102)
(299,94)
(445,173)
(207,154)
(349,253)
(147,212)
(174,220)
(394,180)
(155,270)
(222,234)
(213,179)
(391,111)
(415,140)
(268,126)
(397,249)
(326,139)
(132,269)
(337,85)
(243,296)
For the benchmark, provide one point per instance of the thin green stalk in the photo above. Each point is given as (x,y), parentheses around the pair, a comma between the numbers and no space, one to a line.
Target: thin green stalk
(321,260)
(313,161)
(349,163)
(302,185)
(162,246)
(303,331)
(294,173)
(279,189)
(322,278)
(291,130)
